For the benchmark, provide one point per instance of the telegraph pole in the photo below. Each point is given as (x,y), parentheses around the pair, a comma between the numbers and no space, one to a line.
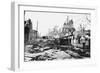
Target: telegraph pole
(37,29)
(67,19)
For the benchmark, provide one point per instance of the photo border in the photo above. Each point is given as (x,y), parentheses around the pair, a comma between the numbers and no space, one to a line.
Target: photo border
(16,58)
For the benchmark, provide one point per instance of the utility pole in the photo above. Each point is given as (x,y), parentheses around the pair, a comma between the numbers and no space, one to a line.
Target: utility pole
(67,19)
(37,29)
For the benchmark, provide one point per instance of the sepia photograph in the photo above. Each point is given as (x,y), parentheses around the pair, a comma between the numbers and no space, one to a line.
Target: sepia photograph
(50,35)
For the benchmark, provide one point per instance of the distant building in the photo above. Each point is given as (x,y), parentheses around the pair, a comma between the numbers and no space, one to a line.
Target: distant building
(27,29)
(68,27)
(68,30)
(29,33)
(33,34)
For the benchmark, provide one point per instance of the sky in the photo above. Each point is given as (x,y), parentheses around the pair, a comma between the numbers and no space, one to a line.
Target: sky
(47,21)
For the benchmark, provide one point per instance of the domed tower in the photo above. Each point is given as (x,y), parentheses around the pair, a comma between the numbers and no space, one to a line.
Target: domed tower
(68,30)
(68,26)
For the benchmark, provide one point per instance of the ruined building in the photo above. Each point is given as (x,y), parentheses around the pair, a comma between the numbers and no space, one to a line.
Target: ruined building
(29,33)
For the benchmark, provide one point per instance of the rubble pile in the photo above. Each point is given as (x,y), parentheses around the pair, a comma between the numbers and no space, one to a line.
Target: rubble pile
(48,50)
